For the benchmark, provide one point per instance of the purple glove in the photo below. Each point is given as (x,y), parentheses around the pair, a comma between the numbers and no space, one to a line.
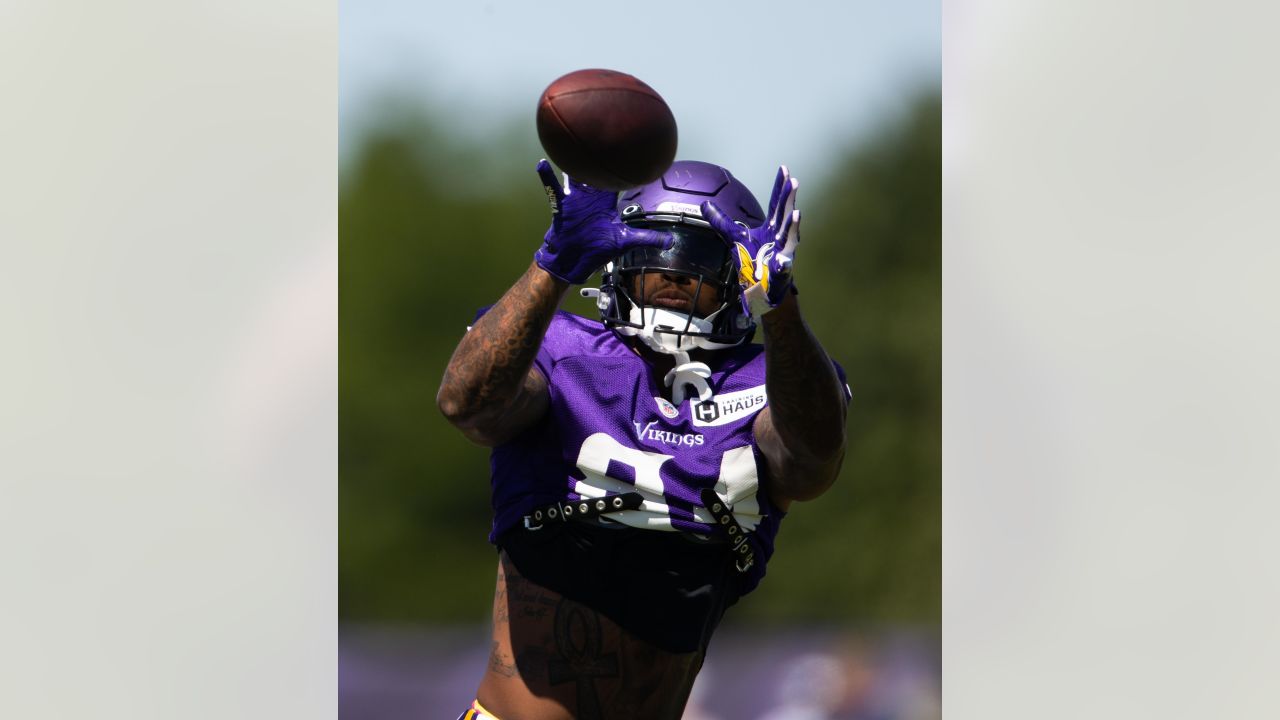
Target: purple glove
(766,253)
(585,231)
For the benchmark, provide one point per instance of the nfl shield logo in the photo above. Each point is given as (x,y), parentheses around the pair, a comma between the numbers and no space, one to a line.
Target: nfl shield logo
(667,409)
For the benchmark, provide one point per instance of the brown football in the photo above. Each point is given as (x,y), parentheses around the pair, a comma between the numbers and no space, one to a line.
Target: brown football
(606,129)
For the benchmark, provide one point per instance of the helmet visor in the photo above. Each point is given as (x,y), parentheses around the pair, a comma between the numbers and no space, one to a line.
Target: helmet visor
(696,250)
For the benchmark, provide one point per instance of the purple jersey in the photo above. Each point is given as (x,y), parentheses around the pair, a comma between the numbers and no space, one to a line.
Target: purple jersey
(609,430)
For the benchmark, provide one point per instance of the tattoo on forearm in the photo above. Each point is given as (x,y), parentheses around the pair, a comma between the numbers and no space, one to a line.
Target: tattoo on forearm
(786,369)
(804,394)
(489,366)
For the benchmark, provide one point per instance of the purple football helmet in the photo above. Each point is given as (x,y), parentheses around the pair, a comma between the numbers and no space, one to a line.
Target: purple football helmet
(672,203)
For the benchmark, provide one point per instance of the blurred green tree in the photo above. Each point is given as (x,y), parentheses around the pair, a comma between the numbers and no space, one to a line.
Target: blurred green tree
(431,228)
(869,272)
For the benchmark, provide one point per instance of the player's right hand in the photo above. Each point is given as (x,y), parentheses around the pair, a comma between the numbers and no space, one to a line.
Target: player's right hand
(585,231)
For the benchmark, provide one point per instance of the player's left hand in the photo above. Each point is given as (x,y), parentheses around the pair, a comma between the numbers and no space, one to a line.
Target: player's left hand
(766,254)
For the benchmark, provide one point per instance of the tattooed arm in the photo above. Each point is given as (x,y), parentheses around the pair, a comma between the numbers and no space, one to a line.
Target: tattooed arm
(801,432)
(491,391)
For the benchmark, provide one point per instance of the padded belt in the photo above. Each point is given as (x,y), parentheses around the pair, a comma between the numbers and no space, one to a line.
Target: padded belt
(583,509)
(744,555)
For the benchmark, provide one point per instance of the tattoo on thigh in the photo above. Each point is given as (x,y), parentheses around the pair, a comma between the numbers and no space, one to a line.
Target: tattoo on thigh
(579,643)
(500,663)
(500,609)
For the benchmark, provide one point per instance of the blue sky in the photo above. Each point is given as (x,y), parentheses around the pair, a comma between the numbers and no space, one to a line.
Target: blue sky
(752,84)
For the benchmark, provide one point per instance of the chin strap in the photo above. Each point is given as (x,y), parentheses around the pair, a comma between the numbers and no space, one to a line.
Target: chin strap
(685,373)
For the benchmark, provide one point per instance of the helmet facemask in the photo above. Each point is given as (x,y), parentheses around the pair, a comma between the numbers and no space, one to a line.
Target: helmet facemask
(672,203)
(698,254)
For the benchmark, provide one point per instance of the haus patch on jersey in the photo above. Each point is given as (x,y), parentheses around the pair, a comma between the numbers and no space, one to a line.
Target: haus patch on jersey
(723,409)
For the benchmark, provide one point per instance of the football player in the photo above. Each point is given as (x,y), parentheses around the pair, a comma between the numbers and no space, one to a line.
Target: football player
(641,463)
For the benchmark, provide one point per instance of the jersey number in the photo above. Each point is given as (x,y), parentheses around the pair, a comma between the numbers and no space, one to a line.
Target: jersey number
(737,483)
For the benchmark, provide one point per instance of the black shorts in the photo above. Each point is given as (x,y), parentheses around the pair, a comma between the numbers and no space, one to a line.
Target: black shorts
(664,587)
